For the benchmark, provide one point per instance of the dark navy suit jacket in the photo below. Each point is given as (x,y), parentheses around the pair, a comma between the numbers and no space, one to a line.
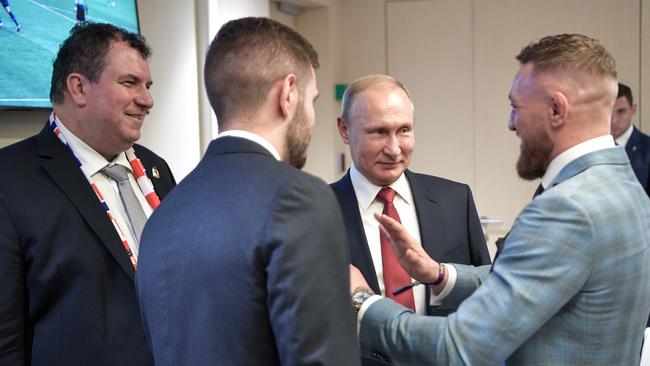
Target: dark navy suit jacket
(244,264)
(450,228)
(67,295)
(638,150)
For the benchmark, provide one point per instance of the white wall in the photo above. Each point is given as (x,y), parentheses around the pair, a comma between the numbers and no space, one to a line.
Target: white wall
(172,128)
(218,13)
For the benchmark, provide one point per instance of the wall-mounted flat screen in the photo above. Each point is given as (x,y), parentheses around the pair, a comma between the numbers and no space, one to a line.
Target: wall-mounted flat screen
(30,34)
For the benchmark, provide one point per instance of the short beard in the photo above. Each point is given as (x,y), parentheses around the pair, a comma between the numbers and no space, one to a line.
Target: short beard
(534,157)
(298,138)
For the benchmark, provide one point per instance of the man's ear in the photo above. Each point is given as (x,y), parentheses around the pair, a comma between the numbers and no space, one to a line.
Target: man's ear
(633,108)
(343,129)
(289,96)
(76,88)
(559,109)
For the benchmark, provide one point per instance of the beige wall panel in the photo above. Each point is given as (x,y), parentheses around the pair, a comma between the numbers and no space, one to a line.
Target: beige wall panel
(362,39)
(429,45)
(502,27)
(643,97)
(314,24)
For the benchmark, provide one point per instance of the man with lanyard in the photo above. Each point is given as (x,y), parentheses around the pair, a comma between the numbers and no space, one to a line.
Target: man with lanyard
(72,206)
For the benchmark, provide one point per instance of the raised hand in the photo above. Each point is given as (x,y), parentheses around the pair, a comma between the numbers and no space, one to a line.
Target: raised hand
(412,257)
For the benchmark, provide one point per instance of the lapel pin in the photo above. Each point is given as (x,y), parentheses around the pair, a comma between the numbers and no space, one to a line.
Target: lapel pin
(155,173)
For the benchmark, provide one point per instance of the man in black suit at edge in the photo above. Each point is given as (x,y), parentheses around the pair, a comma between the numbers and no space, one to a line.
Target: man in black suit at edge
(73,200)
(636,143)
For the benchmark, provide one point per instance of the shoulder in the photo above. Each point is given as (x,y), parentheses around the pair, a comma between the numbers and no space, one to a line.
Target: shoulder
(298,182)
(344,183)
(144,153)
(434,183)
(23,147)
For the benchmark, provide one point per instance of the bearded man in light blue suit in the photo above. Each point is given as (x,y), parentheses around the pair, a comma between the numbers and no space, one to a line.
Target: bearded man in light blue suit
(570,286)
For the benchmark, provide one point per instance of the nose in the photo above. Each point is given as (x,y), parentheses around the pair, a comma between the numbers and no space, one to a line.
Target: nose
(144,99)
(391,146)
(511,123)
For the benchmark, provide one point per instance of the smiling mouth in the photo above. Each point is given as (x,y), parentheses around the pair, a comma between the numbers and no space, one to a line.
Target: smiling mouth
(139,117)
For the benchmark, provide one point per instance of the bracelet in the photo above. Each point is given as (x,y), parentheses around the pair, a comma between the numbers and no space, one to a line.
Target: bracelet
(441,275)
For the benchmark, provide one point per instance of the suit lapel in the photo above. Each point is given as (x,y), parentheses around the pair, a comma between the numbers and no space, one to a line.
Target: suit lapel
(359,251)
(425,199)
(59,164)
(634,144)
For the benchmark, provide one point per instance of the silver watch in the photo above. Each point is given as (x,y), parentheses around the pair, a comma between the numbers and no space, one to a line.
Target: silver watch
(360,295)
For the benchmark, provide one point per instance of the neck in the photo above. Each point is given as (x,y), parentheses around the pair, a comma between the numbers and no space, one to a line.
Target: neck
(274,134)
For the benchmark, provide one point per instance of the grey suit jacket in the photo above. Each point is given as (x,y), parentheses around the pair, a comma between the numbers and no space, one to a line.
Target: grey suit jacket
(570,287)
(245,264)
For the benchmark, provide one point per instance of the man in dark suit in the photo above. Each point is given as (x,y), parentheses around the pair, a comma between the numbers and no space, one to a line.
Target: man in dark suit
(68,236)
(636,143)
(244,263)
(377,124)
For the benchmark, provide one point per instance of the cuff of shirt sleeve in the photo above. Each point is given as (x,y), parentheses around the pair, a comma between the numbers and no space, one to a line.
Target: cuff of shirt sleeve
(366,304)
(436,300)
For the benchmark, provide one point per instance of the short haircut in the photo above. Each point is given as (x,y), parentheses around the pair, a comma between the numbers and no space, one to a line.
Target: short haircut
(625,91)
(84,52)
(365,83)
(572,52)
(245,59)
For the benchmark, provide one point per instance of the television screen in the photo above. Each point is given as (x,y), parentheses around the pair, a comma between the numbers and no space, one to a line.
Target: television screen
(30,34)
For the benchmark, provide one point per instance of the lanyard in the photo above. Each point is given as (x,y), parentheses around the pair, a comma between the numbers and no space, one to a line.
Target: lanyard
(144,184)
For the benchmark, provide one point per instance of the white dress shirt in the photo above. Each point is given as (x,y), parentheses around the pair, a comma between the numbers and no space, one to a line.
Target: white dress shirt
(94,162)
(366,193)
(252,137)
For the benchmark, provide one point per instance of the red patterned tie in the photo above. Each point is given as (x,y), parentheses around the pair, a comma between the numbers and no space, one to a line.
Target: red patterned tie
(394,275)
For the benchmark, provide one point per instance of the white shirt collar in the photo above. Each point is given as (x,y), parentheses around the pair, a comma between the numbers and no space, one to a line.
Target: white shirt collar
(562,160)
(252,137)
(625,136)
(90,159)
(366,191)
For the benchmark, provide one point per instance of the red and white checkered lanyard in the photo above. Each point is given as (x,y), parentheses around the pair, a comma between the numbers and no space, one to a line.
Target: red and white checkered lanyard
(138,172)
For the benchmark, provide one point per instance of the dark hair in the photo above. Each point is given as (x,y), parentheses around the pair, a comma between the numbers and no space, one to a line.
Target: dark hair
(246,57)
(574,52)
(625,91)
(84,52)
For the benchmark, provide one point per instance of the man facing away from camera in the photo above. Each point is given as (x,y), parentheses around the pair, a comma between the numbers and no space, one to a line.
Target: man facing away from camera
(246,263)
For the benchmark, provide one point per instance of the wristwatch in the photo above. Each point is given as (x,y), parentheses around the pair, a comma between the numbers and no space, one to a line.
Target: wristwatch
(360,295)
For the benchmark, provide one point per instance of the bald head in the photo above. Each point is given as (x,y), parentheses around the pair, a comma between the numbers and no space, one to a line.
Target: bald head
(376,83)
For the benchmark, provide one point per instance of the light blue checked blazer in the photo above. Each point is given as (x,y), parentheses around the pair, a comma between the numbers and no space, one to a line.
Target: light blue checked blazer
(571,286)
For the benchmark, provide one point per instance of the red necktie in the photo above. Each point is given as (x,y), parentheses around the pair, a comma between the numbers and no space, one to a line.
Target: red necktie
(394,275)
